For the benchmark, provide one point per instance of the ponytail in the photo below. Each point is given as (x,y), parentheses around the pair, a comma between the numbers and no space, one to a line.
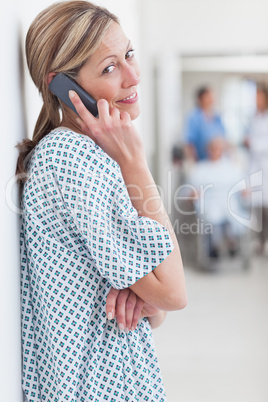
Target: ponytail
(48,119)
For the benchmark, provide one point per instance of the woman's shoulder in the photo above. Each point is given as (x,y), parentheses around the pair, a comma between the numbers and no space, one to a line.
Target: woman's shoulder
(66,143)
(64,150)
(63,138)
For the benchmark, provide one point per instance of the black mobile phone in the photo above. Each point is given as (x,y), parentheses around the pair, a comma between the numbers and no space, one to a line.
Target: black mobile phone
(62,84)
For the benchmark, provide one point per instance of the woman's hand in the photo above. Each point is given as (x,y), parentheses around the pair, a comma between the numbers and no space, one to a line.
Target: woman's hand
(113,131)
(128,308)
(125,306)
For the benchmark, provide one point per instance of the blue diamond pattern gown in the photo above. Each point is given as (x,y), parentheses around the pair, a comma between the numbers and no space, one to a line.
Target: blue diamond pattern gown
(80,236)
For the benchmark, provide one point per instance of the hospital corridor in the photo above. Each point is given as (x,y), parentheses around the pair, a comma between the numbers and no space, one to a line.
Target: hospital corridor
(200,98)
(216,349)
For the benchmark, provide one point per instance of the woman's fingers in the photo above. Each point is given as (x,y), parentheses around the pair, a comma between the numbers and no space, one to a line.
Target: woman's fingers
(111,303)
(89,124)
(130,307)
(137,313)
(113,131)
(103,108)
(85,115)
(124,116)
(148,310)
(127,307)
(114,112)
(121,308)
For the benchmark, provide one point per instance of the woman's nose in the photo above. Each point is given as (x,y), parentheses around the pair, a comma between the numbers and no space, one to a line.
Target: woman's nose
(131,76)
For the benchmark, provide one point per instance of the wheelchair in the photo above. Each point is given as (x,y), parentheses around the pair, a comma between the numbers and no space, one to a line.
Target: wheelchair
(234,249)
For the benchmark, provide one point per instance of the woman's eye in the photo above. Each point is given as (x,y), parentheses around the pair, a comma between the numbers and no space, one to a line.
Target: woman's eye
(109,69)
(130,53)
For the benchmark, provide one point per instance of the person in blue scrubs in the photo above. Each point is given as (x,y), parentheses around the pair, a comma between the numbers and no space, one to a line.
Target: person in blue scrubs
(202,125)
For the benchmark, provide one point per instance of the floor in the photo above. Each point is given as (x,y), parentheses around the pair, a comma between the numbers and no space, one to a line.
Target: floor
(216,349)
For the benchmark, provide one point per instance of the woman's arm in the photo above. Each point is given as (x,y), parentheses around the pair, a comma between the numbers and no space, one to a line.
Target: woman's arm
(164,287)
(114,132)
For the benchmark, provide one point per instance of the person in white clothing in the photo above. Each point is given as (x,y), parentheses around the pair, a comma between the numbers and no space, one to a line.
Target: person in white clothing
(211,181)
(257,143)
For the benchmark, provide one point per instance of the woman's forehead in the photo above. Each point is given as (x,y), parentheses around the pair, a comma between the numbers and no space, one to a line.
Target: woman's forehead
(113,43)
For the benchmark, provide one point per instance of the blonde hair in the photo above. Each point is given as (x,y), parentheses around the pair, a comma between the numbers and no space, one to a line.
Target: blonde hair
(60,39)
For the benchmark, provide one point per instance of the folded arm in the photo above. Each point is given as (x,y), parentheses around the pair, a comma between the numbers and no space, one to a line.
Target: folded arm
(128,308)
(164,287)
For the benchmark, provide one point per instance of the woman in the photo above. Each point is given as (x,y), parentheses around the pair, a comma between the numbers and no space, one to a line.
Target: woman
(100,261)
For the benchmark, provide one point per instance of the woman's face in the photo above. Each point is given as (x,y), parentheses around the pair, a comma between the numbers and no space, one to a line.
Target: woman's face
(112,72)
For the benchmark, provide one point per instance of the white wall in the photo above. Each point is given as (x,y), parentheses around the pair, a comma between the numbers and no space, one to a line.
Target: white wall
(220,26)
(12,131)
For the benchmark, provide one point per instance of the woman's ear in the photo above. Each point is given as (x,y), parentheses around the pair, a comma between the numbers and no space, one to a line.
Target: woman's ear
(50,77)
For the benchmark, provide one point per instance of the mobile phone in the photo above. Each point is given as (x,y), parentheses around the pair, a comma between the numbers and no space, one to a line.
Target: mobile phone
(62,84)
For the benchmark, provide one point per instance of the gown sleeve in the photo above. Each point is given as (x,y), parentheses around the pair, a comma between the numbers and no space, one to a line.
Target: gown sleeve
(124,245)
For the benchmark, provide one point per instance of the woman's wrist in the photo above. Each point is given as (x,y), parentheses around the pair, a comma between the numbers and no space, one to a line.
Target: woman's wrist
(157,319)
(154,315)
(132,165)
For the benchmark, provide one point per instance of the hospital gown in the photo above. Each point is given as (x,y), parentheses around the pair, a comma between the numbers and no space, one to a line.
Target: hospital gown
(80,236)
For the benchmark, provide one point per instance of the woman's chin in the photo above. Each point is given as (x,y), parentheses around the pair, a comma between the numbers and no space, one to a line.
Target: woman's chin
(134,112)
(135,116)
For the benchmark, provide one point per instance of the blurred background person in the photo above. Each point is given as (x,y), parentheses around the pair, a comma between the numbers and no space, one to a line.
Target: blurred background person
(257,143)
(212,180)
(202,125)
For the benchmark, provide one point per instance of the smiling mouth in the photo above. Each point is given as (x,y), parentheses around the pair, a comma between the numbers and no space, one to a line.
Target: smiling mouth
(129,99)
